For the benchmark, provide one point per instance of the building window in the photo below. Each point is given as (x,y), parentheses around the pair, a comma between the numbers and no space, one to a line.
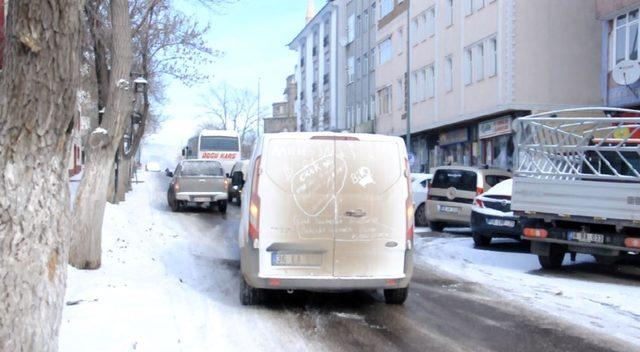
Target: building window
(430,82)
(626,37)
(492,57)
(430,22)
(365,64)
(448,73)
(467,7)
(448,12)
(478,4)
(384,50)
(358,67)
(386,6)
(372,108)
(400,40)
(372,62)
(400,94)
(468,71)
(373,14)
(351,28)
(478,62)
(351,68)
(384,100)
(366,20)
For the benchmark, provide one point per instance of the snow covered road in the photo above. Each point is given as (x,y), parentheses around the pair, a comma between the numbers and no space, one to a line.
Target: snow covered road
(169,282)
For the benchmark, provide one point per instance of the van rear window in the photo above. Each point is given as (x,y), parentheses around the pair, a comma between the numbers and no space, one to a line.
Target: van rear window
(458,179)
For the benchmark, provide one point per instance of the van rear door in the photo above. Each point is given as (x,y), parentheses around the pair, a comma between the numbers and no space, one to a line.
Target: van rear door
(370,239)
(297,208)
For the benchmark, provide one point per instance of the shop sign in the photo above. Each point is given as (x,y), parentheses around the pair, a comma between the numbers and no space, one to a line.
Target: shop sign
(493,128)
(456,136)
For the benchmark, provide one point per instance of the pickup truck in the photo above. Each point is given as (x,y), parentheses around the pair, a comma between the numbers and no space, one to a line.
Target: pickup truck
(199,183)
(577,184)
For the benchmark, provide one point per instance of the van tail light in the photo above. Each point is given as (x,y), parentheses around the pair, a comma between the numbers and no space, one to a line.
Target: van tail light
(535,233)
(478,202)
(479,191)
(632,242)
(409,205)
(254,205)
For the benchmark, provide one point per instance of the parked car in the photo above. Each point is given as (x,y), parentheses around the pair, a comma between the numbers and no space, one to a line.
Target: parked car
(238,177)
(420,187)
(453,190)
(152,166)
(200,183)
(327,211)
(491,215)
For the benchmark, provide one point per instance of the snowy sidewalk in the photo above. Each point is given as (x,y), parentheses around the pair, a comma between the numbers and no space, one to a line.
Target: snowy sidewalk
(606,304)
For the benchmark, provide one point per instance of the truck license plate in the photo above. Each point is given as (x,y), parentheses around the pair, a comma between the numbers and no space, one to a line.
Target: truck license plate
(296,259)
(448,210)
(501,223)
(586,237)
(201,199)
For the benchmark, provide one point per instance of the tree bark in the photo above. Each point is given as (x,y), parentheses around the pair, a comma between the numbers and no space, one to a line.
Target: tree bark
(90,200)
(37,100)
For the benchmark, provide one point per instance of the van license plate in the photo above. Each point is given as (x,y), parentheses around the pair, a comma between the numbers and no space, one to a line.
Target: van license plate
(501,223)
(586,237)
(296,259)
(201,199)
(448,210)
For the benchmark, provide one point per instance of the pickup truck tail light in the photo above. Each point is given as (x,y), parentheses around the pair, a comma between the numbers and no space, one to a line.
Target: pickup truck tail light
(176,187)
(409,204)
(254,205)
(535,233)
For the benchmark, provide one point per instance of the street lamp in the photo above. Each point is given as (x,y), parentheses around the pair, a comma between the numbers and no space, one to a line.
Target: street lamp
(140,84)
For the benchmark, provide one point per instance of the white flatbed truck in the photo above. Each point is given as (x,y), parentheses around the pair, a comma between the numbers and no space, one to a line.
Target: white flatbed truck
(577,184)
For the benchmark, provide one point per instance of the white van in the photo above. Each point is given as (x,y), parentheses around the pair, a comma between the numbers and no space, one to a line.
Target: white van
(327,211)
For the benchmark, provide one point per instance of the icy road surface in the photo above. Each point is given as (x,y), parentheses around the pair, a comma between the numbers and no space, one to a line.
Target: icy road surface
(169,282)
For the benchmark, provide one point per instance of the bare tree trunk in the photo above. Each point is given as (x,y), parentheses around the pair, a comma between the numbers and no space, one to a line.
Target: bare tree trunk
(90,201)
(37,100)
(123,174)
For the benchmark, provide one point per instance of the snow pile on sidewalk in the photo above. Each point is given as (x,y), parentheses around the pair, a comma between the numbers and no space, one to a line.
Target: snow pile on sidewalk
(166,285)
(609,307)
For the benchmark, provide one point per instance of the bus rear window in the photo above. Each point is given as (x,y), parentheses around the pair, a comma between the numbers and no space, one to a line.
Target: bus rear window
(201,168)
(219,144)
(459,179)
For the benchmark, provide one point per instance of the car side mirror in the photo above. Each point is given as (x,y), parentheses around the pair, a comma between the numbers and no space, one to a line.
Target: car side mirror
(227,175)
(169,174)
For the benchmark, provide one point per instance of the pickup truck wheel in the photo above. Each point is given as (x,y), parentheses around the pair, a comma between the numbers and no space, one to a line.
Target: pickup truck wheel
(436,226)
(555,258)
(421,217)
(222,206)
(480,240)
(249,295)
(396,295)
(175,205)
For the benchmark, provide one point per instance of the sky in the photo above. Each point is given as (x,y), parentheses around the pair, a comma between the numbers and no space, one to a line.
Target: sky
(253,34)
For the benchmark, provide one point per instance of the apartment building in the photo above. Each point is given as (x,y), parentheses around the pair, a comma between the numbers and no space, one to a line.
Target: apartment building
(390,65)
(360,41)
(478,64)
(619,51)
(320,70)
(283,113)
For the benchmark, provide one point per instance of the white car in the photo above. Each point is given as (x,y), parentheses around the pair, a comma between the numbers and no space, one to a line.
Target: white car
(420,188)
(153,166)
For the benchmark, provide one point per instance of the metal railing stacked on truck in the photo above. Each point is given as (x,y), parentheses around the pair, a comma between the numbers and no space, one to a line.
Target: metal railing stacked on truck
(577,183)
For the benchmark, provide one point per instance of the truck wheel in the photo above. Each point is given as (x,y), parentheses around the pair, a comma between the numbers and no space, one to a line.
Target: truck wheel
(249,295)
(421,217)
(554,259)
(481,241)
(396,295)
(222,206)
(436,226)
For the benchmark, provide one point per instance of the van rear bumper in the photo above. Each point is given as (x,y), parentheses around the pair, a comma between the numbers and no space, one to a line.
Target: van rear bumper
(249,267)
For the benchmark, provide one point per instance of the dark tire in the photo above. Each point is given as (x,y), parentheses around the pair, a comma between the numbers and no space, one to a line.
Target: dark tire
(396,295)
(555,258)
(436,226)
(249,296)
(222,206)
(421,217)
(480,240)
(173,203)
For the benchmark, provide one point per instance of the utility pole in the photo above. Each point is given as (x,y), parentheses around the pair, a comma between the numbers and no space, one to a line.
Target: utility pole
(408,79)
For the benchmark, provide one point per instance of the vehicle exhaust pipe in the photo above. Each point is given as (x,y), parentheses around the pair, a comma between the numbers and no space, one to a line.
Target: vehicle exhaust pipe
(290,292)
